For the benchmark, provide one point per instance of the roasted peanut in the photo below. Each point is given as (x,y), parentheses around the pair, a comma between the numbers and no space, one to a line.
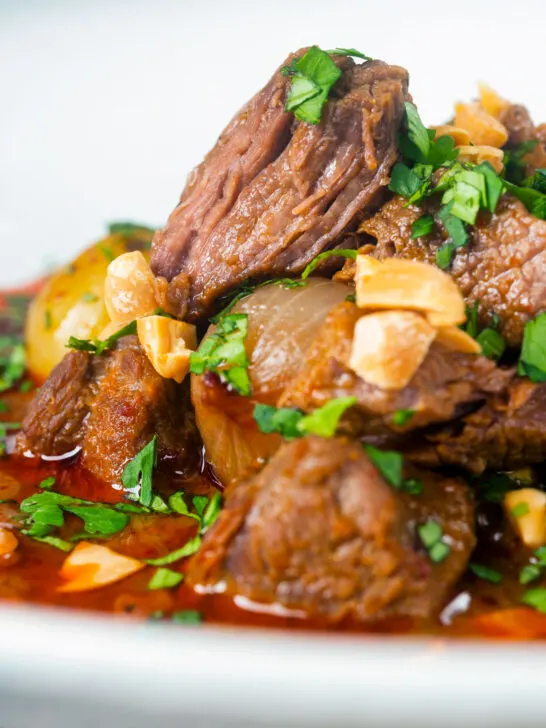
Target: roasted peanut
(168,345)
(389,347)
(129,289)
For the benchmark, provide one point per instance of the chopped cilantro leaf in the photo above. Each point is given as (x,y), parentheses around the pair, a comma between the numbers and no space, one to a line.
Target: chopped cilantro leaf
(137,474)
(492,343)
(128,229)
(410,183)
(47,483)
(187,616)
(58,543)
(533,200)
(12,362)
(413,486)
(536,181)
(388,463)
(224,353)
(417,134)
(165,579)
(422,226)
(292,423)
(529,573)
(348,52)
(522,509)
(532,362)
(494,185)
(535,598)
(98,346)
(246,290)
(431,536)
(514,164)
(313,75)
(325,420)
(211,512)
(189,548)
(485,573)
(402,416)
(343,253)
(26,386)
(107,252)
(179,505)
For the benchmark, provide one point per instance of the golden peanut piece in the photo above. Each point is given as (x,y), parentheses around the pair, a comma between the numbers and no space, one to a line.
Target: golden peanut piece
(479,154)
(91,566)
(481,126)
(408,284)
(459,136)
(389,347)
(8,541)
(531,525)
(491,102)
(168,345)
(129,289)
(452,337)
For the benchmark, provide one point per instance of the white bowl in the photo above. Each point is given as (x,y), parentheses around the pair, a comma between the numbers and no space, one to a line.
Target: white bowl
(105,108)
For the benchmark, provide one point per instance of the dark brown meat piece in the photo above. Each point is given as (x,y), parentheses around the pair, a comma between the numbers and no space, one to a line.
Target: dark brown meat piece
(503,267)
(274,192)
(445,386)
(321,533)
(110,406)
(507,433)
(521,129)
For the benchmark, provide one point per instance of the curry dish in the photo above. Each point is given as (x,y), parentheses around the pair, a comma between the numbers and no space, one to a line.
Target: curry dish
(316,399)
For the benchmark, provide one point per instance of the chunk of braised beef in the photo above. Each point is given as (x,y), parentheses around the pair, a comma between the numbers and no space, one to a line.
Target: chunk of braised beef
(445,386)
(110,406)
(320,532)
(502,269)
(274,191)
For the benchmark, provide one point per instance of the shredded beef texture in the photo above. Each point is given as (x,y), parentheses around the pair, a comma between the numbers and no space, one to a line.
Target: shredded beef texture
(274,191)
(320,532)
(503,267)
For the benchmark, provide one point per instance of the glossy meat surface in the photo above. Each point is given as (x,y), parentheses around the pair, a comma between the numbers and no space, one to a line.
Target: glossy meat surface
(274,192)
(111,406)
(503,268)
(320,532)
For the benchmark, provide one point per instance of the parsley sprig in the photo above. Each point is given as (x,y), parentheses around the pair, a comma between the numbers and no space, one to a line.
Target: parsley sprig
(292,423)
(99,346)
(224,353)
(532,362)
(12,362)
(313,75)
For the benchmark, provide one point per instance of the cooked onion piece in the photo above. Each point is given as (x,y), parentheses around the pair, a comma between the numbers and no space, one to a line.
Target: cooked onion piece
(389,347)
(282,322)
(8,541)
(91,566)
(526,509)
(168,345)
(408,284)
(71,303)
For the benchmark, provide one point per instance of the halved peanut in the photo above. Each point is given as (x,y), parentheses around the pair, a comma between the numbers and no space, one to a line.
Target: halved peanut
(530,525)
(91,566)
(459,136)
(389,347)
(481,126)
(452,337)
(491,101)
(168,345)
(408,284)
(8,541)
(479,154)
(129,289)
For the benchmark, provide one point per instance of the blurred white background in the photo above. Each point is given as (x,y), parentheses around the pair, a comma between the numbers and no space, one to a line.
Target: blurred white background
(106,105)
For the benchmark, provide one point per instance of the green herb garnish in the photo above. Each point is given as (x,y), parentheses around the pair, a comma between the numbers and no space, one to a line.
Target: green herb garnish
(107,252)
(313,75)
(128,229)
(189,548)
(137,474)
(224,353)
(241,292)
(349,52)
(343,253)
(12,362)
(292,423)
(98,346)
(388,463)
(532,362)
(165,579)
(187,616)
(402,416)
(431,536)
(535,598)
(485,573)
(422,226)
(522,509)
